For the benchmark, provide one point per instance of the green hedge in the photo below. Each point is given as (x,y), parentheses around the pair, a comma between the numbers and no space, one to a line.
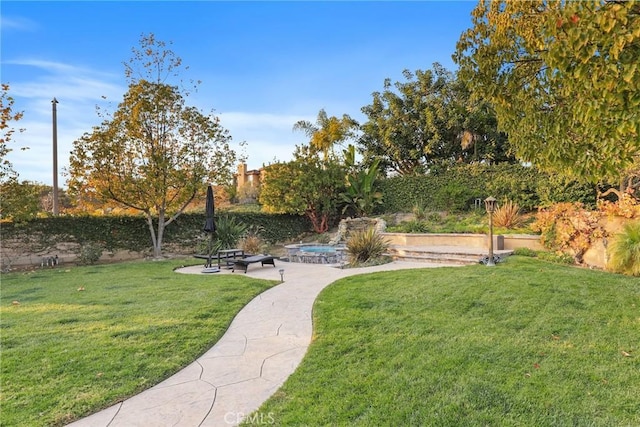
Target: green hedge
(111,232)
(457,188)
(274,227)
(132,232)
(453,190)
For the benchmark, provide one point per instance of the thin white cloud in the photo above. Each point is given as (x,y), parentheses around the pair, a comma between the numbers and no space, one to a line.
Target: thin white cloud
(262,120)
(63,81)
(269,137)
(56,67)
(50,66)
(17,23)
(78,90)
(71,89)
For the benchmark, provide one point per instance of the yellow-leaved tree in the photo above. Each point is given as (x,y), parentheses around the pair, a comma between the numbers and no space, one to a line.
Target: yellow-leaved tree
(154,154)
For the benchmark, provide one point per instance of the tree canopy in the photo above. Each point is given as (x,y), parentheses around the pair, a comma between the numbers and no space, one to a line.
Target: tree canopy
(7,116)
(154,154)
(425,122)
(564,80)
(306,186)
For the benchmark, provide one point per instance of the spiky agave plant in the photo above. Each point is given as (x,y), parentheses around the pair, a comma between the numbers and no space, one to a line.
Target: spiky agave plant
(365,245)
(625,250)
(508,215)
(229,231)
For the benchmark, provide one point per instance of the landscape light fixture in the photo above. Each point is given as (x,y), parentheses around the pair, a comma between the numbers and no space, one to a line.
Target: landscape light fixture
(281,271)
(490,205)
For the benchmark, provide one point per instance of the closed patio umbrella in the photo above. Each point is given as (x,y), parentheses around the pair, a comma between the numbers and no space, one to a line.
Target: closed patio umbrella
(210,222)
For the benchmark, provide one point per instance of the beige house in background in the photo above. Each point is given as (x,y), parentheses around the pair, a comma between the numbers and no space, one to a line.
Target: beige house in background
(248,182)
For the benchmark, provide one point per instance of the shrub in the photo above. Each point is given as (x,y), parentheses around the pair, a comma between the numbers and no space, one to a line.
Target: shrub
(365,245)
(470,223)
(513,182)
(204,246)
(556,257)
(389,219)
(228,233)
(625,250)
(274,227)
(508,215)
(551,189)
(627,206)
(323,238)
(434,217)
(420,211)
(525,252)
(89,253)
(453,197)
(413,226)
(568,228)
(252,242)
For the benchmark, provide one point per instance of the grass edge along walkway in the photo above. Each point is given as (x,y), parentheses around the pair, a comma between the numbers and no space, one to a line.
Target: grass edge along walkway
(524,343)
(79,339)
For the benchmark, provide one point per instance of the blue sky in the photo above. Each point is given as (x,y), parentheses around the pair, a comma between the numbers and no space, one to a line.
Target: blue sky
(263,65)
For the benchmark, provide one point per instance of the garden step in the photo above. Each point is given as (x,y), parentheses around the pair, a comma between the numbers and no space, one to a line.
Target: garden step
(442,254)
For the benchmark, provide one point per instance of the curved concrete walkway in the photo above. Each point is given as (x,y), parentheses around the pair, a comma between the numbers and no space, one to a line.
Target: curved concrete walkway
(264,344)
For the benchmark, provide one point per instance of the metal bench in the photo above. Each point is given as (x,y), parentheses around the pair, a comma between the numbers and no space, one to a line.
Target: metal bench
(226,257)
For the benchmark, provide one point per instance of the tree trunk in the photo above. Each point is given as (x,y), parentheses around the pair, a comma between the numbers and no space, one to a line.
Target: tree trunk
(152,231)
(320,223)
(156,235)
(618,193)
(157,247)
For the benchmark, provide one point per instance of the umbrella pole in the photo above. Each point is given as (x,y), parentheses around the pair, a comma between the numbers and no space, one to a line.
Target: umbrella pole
(210,248)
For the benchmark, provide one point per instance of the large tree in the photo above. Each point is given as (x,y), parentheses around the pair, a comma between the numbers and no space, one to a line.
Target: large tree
(425,122)
(564,80)
(480,140)
(154,154)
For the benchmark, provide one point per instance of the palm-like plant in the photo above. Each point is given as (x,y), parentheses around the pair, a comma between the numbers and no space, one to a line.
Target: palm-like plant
(327,131)
(360,194)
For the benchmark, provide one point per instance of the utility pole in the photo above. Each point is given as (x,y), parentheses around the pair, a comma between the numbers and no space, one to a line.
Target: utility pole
(55,156)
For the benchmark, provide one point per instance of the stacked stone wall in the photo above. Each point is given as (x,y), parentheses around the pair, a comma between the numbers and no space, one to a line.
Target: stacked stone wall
(349,226)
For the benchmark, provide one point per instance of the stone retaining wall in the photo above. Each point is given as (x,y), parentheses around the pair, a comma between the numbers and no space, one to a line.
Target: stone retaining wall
(507,241)
(350,225)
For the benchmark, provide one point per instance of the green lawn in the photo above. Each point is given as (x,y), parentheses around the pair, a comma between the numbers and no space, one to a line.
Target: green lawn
(68,352)
(526,343)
